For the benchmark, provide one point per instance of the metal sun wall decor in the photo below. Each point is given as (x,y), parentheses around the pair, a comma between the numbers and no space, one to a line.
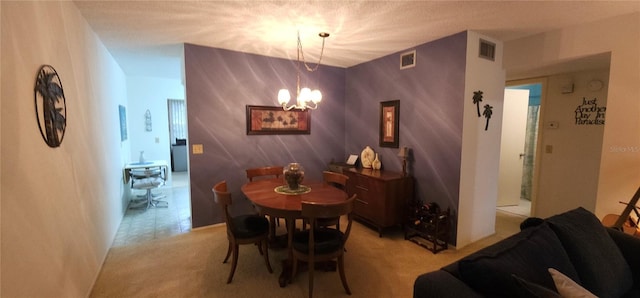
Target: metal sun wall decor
(488,109)
(51,106)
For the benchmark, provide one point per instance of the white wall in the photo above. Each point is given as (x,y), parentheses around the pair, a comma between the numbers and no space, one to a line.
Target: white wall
(619,172)
(147,93)
(61,207)
(568,175)
(480,147)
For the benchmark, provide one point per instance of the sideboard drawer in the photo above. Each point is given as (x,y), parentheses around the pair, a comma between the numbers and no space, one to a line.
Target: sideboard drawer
(381,196)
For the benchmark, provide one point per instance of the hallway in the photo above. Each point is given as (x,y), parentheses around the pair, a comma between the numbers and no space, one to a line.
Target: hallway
(140,226)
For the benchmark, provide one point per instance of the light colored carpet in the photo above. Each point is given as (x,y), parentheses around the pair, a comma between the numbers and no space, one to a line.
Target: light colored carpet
(190,265)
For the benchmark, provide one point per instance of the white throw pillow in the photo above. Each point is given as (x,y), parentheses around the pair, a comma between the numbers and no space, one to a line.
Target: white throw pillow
(568,288)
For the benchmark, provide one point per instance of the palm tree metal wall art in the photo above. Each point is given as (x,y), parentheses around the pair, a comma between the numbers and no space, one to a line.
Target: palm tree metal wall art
(51,106)
(488,111)
(477,98)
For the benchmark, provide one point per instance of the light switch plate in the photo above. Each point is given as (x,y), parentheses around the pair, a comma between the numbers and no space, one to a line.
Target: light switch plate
(197,149)
(548,149)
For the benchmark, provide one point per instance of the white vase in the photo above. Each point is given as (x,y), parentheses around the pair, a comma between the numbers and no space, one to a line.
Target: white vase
(141,160)
(376,164)
(366,157)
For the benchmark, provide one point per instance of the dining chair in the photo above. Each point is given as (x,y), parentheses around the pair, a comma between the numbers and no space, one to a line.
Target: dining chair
(337,180)
(266,172)
(148,179)
(321,244)
(271,171)
(242,229)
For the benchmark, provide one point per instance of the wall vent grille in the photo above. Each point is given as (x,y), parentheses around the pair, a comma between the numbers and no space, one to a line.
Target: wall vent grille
(487,50)
(408,59)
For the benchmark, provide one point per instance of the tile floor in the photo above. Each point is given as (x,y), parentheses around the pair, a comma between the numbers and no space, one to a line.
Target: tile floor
(143,225)
(523,208)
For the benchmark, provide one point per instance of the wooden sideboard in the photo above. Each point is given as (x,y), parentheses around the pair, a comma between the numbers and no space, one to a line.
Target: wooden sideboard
(382,196)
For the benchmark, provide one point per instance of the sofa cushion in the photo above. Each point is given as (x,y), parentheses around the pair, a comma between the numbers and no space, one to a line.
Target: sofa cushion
(527,255)
(440,283)
(597,259)
(533,290)
(629,247)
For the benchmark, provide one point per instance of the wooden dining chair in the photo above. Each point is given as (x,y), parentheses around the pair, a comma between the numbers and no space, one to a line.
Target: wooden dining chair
(266,172)
(322,244)
(242,229)
(271,172)
(337,180)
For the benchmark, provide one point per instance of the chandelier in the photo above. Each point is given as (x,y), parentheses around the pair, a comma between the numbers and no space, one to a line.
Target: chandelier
(305,98)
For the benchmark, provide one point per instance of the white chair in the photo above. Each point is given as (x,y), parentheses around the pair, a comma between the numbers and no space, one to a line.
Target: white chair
(148,179)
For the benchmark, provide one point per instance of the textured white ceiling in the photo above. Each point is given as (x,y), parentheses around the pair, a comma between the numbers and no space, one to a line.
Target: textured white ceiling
(360,30)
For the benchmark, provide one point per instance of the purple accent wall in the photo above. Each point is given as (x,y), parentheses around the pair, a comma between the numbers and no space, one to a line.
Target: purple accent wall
(431,98)
(219,84)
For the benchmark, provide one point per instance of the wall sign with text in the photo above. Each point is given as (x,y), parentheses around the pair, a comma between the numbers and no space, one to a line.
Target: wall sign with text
(589,113)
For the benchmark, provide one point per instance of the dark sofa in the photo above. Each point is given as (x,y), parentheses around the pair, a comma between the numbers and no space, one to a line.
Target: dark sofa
(604,261)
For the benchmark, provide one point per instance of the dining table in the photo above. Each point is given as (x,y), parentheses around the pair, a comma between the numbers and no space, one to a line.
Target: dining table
(151,164)
(273,198)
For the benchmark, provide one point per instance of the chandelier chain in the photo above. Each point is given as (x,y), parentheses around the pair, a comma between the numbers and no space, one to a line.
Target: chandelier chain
(301,53)
(305,97)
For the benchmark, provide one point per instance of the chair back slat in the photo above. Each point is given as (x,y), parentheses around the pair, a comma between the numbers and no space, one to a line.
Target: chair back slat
(324,210)
(223,198)
(336,179)
(275,171)
(314,210)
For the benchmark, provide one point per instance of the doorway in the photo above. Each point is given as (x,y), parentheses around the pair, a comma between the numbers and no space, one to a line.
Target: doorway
(177,119)
(518,146)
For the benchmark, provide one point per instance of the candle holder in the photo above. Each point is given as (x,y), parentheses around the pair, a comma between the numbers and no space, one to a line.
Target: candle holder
(404,153)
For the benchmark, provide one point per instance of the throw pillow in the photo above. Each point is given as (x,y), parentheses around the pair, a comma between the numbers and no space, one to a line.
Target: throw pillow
(567,287)
(597,259)
(527,254)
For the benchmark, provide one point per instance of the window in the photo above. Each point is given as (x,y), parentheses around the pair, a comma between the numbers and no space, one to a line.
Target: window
(177,119)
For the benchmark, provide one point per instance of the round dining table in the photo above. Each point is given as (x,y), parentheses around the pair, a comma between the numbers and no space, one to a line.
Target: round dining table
(268,201)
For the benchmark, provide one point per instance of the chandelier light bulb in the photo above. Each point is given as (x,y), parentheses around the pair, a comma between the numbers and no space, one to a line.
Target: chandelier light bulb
(316,96)
(305,95)
(283,96)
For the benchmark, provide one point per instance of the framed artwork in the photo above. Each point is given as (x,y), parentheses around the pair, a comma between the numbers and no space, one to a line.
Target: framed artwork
(122,111)
(389,123)
(266,120)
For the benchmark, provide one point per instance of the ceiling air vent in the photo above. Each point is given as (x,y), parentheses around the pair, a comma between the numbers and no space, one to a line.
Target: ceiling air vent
(487,50)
